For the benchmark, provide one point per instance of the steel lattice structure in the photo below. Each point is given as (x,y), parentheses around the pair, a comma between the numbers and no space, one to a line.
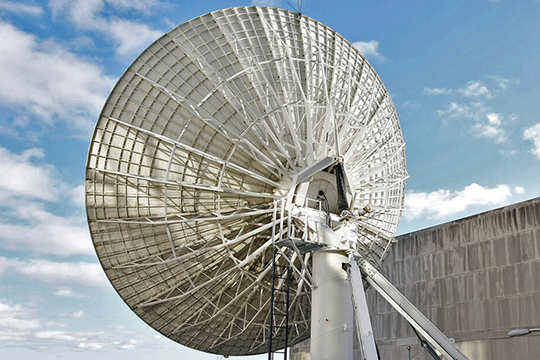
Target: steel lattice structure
(196,146)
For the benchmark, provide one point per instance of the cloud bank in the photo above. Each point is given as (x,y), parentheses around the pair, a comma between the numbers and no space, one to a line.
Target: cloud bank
(18,323)
(25,223)
(445,203)
(370,49)
(71,90)
(129,37)
(533,134)
(472,102)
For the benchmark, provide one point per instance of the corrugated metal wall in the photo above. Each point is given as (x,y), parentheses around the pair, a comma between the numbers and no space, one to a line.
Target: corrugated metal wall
(475,278)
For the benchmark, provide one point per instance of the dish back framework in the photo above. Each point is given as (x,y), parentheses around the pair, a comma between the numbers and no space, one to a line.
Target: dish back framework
(196,164)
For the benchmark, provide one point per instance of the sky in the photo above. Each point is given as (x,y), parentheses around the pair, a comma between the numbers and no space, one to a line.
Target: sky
(464,77)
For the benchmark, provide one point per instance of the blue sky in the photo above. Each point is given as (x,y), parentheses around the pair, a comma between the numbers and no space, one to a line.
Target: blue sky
(463,75)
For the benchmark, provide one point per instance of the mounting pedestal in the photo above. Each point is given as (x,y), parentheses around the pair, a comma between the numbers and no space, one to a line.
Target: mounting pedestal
(333,301)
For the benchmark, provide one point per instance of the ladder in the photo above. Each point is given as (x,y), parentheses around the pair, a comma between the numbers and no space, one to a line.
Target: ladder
(278,337)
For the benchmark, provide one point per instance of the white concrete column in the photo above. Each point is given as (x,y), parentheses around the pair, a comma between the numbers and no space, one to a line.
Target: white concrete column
(331,308)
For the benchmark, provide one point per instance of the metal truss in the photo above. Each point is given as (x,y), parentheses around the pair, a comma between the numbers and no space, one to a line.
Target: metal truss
(196,156)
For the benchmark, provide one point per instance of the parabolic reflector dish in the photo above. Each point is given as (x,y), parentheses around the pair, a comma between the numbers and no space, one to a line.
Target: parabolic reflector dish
(199,140)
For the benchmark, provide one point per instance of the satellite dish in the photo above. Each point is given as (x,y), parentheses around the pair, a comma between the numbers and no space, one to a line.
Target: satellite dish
(207,150)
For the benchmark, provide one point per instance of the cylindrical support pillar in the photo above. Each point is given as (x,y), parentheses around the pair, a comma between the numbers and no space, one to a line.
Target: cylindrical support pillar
(331,308)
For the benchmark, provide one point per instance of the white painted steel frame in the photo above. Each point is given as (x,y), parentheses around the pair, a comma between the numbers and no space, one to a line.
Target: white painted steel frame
(414,316)
(202,133)
(364,330)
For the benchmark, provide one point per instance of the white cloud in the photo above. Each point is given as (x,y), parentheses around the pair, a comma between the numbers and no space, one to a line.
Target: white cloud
(492,129)
(12,335)
(67,292)
(55,335)
(489,125)
(25,224)
(519,190)
(475,89)
(62,273)
(20,9)
(437,91)
(16,322)
(90,346)
(77,195)
(90,8)
(88,340)
(457,110)
(494,119)
(4,265)
(26,178)
(15,317)
(489,131)
(129,345)
(502,82)
(533,134)
(40,231)
(128,36)
(77,314)
(131,37)
(71,89)
(143,6)
(54,324)
(369,49)
(445,203)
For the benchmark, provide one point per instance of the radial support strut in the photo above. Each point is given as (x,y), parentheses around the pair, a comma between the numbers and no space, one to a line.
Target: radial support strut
(414,316)
(361,313)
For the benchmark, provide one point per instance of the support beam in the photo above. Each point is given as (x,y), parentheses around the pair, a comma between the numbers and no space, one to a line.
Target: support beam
(198,152)
(361,314)
(203,187)
(314,168)
(414,316)
(179,218)
(159,300)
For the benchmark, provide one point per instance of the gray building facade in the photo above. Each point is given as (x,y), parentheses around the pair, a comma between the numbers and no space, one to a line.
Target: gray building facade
(476,279)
